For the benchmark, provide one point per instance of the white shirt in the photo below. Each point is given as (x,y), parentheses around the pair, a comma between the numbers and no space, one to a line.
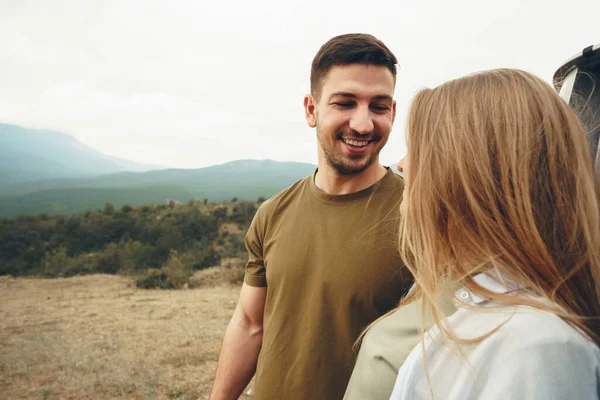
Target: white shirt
(534,355)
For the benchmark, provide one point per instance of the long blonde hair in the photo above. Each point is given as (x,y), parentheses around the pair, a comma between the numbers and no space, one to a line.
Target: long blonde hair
(500,177)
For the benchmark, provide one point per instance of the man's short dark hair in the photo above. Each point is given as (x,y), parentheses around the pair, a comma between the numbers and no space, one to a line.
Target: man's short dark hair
(351,48)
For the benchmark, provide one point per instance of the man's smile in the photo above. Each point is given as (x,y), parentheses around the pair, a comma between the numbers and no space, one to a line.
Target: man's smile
(356,143)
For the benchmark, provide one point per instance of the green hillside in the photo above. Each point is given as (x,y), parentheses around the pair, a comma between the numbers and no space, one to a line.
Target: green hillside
(245,180)
(73,201)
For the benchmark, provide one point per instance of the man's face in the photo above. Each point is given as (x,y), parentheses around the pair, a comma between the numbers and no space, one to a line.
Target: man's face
(353,116)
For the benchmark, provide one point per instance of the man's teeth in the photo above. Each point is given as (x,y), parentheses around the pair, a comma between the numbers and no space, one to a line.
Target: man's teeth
(358,143)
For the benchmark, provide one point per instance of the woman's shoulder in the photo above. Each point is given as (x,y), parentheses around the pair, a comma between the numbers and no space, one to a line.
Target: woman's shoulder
(526,328)
(505,347)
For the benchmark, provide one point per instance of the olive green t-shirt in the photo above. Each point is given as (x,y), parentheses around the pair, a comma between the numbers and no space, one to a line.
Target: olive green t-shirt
(331,266)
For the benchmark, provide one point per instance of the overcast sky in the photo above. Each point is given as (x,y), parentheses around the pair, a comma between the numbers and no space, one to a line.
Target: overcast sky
(194,83)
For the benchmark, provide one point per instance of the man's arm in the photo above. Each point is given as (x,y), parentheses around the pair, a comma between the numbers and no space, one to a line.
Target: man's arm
(241,345)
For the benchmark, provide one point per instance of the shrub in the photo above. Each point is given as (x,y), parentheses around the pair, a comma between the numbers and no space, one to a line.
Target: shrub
(54,262)
(109,209)
(153,279)
(217,276)
(177,272)
(207,258)
(86,263)
(127,240)
(109,260)
(135,256)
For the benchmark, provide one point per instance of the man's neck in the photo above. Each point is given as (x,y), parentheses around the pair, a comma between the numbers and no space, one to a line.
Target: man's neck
(331,182)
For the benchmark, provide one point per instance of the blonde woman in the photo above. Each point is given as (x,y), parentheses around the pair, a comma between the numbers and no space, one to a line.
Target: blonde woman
(502,203)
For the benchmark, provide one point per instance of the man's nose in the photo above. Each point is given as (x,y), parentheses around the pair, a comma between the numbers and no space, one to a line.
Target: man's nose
(362,121)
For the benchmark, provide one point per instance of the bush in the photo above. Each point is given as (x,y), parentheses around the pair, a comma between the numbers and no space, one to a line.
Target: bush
(135,256)
(153,279)
(109,260)
(55,262)
(81,264)
(232,245)
(208,257)
(127,240)
(177,272)
(109,209)
(217,276)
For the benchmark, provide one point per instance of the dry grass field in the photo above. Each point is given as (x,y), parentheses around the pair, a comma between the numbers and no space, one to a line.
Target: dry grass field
(98,336)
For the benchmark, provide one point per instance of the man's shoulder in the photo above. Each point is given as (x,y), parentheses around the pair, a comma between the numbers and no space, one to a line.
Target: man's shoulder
(290,193)
(390,188)
(393,180)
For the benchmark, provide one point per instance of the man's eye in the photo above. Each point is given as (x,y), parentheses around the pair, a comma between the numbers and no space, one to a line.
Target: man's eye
(379,108)
(344,105)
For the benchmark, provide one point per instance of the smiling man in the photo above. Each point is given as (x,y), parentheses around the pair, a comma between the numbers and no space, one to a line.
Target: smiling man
(353,109)
(323,261)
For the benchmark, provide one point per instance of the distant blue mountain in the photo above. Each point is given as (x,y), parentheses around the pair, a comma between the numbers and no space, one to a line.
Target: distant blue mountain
(37,154)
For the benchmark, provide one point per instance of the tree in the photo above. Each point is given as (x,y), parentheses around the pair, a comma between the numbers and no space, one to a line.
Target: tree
(109,209)
(109,261)
(177,272)
(207,258)
(127,240)
(243,213)
(220,213)
(55,262)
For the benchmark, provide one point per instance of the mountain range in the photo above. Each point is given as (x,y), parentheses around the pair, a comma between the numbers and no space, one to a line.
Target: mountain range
(35,154)
(44,171)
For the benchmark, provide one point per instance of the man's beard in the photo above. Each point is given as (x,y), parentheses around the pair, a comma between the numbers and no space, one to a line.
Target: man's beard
(344,165)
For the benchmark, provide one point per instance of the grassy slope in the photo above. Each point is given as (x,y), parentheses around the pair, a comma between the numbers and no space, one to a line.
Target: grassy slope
(98,337)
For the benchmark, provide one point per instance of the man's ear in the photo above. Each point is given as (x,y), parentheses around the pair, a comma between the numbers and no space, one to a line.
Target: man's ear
(393,111)
(309,110)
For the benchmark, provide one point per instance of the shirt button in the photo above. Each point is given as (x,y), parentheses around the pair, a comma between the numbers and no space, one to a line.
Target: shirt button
(463,295)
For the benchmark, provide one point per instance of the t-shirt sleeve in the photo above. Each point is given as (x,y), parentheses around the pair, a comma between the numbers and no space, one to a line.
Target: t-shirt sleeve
(255,267)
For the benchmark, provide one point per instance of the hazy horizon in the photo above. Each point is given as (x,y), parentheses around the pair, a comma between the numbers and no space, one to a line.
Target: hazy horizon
(151,165)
